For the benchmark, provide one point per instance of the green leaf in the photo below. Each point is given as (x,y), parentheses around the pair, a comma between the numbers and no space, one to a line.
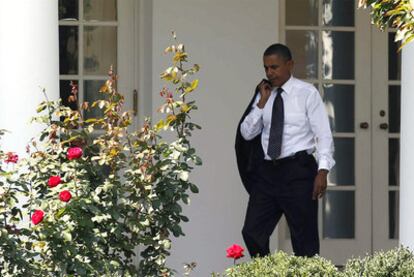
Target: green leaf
(67,235)
(186,199)
(59,213)
(156,204)
(91,120)
(192,87)
(69,140)
(198,161)
(191,151)
(194,188)
(176,230)
(42,106)
(43,136)
(115,214)
(176,208)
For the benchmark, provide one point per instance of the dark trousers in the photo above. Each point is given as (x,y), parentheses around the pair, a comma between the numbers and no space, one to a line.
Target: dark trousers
(283,188)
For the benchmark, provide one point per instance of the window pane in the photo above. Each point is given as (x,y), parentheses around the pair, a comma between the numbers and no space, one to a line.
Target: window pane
(338,12)
(92,94)
(393,209)
(102,10)
(65,92)
(394,162)
(339,102)
(100,49)
(68,10)
(394,108)
(302,12)
(338,55)
(343,173)
(394,58)
(68,50)
(339,215)
(304,47)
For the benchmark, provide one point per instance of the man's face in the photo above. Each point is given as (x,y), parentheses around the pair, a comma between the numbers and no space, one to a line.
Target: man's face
(278,70)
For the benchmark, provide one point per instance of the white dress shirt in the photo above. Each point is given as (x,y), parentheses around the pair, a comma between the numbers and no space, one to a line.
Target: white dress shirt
(306,124)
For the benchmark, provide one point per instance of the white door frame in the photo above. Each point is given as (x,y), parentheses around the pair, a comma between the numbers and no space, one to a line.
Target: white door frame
(339,250)
(380,142)
(135,57)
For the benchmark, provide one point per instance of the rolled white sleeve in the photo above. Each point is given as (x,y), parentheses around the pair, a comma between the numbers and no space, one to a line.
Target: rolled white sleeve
(252,124)
(319,123)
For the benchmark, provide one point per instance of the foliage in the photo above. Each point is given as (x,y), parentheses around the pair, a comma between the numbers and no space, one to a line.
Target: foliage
(99,190)
(398,262)
(13,255)
(282,264)
(397,14)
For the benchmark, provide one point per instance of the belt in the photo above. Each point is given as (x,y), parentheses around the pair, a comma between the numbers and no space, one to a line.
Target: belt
(286,159)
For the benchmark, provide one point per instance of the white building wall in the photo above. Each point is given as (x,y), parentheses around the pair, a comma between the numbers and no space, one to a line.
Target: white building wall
(227,38)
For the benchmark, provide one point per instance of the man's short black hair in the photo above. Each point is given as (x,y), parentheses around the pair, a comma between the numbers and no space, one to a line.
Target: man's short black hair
(280,50)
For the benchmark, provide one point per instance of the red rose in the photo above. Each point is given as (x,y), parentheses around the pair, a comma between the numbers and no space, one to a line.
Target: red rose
(65,195)
(37,216)
(74,153)
(235,251)
(54,181)
(12,158)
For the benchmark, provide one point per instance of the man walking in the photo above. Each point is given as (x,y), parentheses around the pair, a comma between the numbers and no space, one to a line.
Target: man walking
(284,124)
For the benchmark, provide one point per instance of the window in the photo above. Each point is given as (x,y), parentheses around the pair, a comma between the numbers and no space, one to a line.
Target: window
(88,31)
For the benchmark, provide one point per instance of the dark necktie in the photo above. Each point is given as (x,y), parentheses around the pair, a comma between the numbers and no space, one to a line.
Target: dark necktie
(276,127)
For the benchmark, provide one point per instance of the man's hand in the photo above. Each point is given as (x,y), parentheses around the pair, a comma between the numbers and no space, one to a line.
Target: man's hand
(265,91)
(320,184)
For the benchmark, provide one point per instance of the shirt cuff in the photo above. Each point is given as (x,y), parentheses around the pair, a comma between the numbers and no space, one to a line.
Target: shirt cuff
(324,164)
(257,112)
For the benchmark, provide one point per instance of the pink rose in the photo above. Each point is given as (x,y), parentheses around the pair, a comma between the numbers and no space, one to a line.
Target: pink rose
(65,195)
(74,153)
(235,251)
(54,181)
(37,216)
(12,158)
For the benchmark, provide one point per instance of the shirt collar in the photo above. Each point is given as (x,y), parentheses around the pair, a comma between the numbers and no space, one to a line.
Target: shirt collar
(288,85)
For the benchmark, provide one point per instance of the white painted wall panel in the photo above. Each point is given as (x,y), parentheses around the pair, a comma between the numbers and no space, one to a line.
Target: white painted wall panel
(227,38)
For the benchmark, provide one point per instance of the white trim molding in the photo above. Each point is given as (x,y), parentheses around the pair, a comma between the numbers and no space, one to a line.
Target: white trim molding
(407,148)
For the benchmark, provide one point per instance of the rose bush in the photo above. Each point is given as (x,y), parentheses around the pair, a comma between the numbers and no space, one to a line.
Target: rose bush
(96,191)
(15,260)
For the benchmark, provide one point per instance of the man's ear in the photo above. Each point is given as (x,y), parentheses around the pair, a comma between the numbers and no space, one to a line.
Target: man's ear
(290,64)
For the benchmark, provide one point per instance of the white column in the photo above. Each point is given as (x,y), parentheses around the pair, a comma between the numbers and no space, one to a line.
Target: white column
(407,148)
(29,61)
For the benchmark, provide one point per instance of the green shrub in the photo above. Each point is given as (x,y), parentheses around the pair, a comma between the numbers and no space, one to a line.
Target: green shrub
(398,262)
(282,264)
